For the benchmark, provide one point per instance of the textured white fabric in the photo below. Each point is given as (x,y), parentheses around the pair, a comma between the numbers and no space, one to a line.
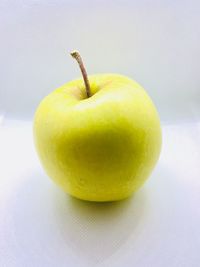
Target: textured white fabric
(41,226)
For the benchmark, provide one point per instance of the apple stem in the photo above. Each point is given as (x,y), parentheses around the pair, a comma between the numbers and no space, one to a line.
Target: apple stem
(76,55)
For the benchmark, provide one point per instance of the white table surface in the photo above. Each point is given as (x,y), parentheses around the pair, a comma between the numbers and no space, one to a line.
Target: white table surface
(42,226)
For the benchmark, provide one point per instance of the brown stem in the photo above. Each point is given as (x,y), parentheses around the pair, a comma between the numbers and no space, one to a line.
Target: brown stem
(76,55)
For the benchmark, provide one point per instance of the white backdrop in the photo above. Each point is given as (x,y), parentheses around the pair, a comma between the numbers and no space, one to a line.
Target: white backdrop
(154,42)
(157,44)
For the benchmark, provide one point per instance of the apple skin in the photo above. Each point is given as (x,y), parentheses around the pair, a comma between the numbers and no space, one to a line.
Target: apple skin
(100,148)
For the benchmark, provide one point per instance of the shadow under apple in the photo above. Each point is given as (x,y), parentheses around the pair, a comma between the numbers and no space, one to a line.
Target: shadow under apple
(97,230)
(53,228)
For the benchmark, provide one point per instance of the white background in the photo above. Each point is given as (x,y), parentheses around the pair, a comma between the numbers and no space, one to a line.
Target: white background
(155,43)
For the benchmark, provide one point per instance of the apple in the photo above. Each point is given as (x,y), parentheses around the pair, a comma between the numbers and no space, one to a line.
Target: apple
(98,138)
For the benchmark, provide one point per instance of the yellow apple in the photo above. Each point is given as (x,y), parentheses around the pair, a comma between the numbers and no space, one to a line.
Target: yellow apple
(99,139)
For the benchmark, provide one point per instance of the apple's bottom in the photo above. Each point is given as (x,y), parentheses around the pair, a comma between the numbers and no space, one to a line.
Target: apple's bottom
(101,197)
(102,200)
